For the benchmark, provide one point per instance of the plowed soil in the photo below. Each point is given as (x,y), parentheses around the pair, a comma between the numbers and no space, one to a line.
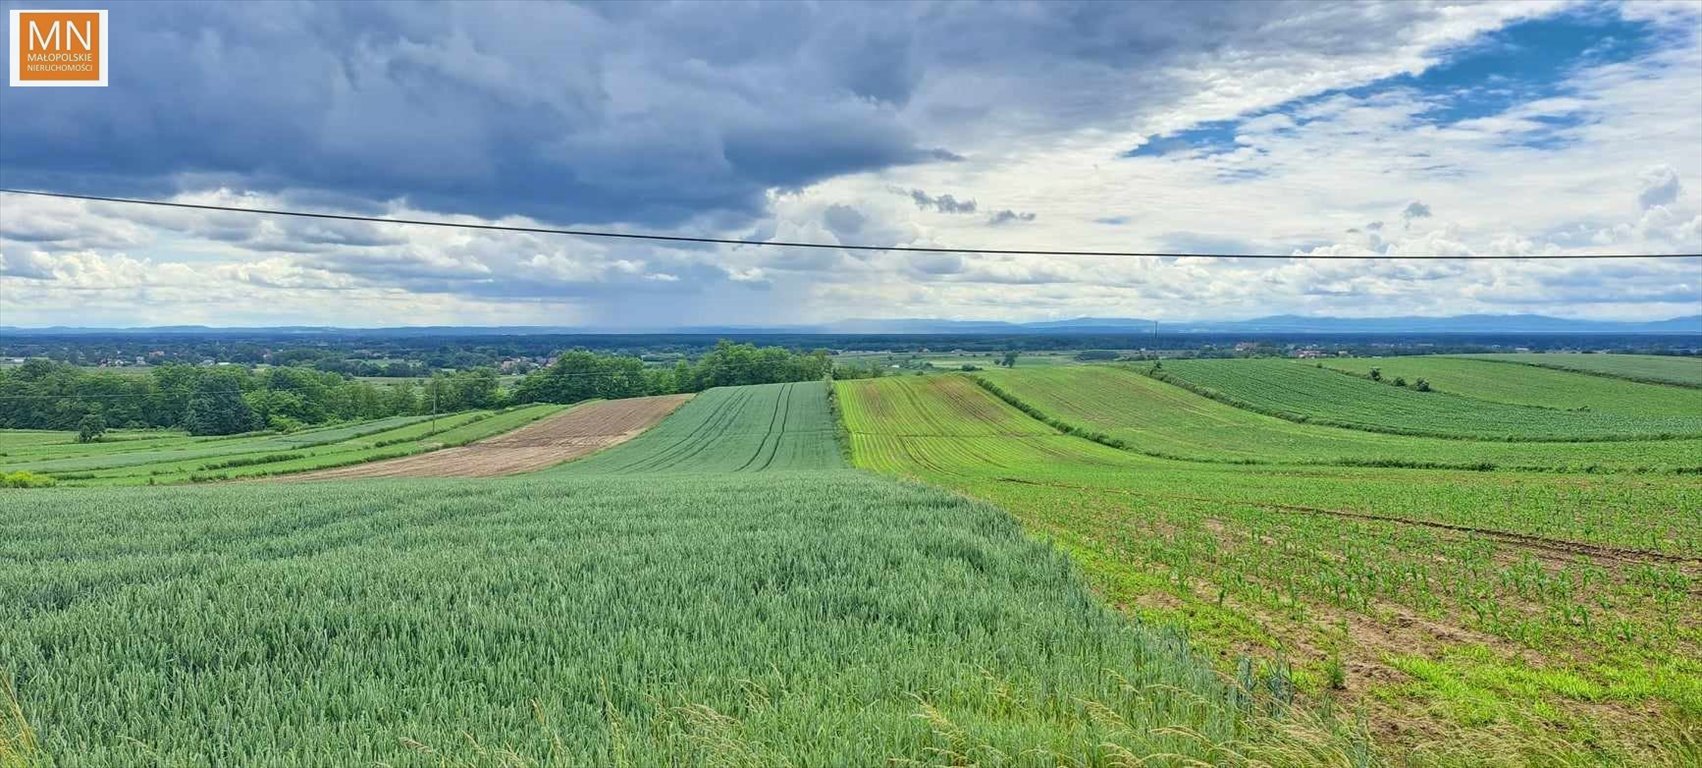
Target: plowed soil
(542,444)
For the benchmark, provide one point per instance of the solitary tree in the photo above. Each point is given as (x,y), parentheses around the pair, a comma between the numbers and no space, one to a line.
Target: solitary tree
(91,428)
(1009,360)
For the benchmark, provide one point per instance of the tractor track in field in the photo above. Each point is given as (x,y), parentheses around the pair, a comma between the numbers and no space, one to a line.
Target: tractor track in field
(544,443)
(1559,546)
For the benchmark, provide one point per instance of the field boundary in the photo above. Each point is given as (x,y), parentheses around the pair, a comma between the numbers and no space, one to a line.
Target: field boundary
(1583,371)
(841,430)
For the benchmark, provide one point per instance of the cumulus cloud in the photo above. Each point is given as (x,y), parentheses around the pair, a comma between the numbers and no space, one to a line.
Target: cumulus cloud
(33,265)
(843,220)
(829,123)
(1660,186)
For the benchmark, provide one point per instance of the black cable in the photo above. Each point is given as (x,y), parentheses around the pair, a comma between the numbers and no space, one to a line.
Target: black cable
(833,246)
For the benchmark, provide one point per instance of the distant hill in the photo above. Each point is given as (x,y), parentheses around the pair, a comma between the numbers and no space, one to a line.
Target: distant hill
(1454,324)
(1281,324)
(1691,324)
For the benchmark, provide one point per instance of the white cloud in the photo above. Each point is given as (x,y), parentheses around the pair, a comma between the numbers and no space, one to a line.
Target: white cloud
(1314,180)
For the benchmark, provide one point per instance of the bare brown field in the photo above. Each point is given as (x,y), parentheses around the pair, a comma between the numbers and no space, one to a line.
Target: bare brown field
(540,445)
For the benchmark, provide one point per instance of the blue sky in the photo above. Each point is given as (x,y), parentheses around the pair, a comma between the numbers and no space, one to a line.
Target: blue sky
(1370,129)
(1522,62)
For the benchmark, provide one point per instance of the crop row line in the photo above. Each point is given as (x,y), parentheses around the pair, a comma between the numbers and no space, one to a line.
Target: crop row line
(1300,418)
(1564,546)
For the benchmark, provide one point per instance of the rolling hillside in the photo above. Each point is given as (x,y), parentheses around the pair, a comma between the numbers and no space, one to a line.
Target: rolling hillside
(1149,416)
(1312,394)
(1477,609)
(180,459)
(1681,371)
(1530,385)
(758,428)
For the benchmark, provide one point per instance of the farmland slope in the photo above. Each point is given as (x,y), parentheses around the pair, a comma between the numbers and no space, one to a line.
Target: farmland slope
(1305,393)
(1152,417)
(172,460)
(1660,369)
(580,431)
(1479,617)
(1529,385)
(757,428)
(782,618)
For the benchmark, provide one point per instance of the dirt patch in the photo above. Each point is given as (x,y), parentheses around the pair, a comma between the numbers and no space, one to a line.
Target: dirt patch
(539,445)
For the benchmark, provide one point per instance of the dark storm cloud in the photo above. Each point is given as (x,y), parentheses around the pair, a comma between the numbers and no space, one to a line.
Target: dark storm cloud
(561,112)
(646,113)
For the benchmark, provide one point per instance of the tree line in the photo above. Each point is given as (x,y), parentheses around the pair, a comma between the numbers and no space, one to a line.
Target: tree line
(230,399)
(583,374)
(223,400)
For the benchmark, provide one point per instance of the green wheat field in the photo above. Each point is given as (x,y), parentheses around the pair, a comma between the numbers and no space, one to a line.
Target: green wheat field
(1195,562)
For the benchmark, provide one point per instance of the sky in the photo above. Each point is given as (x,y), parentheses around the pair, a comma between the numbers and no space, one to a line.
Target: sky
(1512,128)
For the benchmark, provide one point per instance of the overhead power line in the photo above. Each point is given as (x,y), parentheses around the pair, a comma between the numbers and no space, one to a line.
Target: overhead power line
(833,246)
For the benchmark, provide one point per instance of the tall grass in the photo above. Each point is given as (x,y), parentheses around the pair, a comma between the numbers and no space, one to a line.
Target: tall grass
(18,745)
(784,618)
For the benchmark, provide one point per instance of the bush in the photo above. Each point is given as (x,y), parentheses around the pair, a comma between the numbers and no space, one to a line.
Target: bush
(1400,381)
(91,428)
(26,480)
(1422,385)
(248,461)
(282,423)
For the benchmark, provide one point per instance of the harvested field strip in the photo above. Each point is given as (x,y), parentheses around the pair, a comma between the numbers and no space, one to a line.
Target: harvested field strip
(580,431)
(754,428)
